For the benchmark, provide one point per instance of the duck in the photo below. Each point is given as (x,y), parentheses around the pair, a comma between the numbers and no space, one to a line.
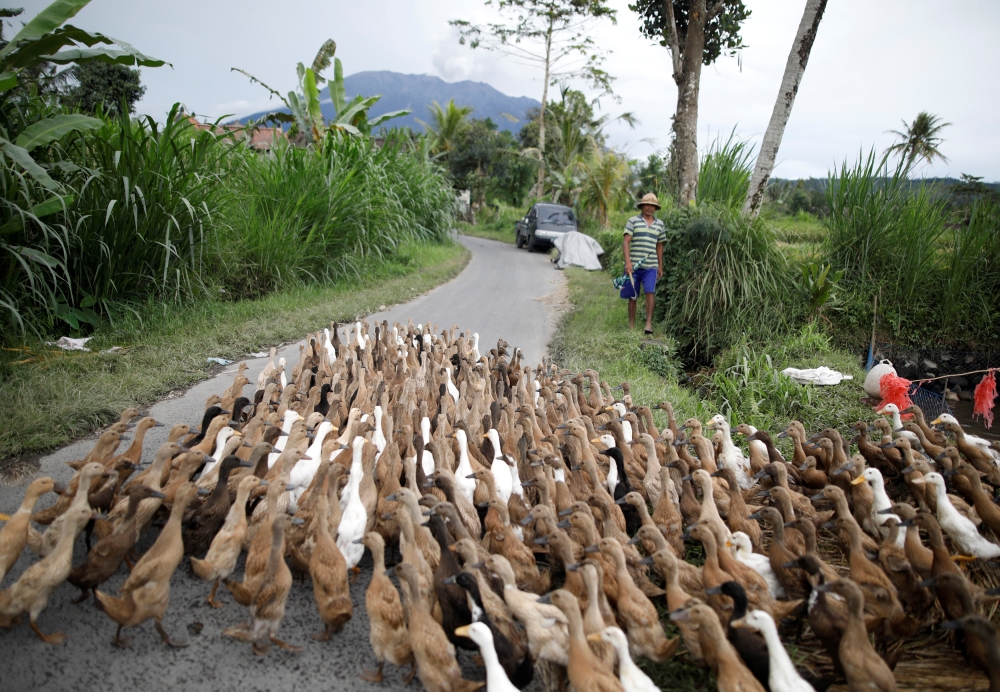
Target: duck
(104,559)
(387,633)
(782,676)
(220,561)
(14,534)
(986,632)
(961,530)
(863,667)
(499,468)
(631,676)
(882,507)
(146,593)
(545,625)
(203,522)
(258,549)
(731,675)
(328,571)
(897,422)
(586,672)
(267,607)
(987,510)
(464,480)
(743,551)
(496,676)
(434,654)
(751,646)
(31,592)
(354,519)
(44,543)
(512,657)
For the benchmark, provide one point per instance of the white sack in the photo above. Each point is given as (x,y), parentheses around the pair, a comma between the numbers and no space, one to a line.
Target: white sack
(820,375)
(578,249)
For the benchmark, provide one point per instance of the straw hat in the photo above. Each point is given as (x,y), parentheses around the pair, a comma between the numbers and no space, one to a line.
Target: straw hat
(648,198)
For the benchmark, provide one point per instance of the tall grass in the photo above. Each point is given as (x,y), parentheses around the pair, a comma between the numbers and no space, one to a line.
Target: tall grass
(724,175)
(149,212)
(936,275)
(725,277)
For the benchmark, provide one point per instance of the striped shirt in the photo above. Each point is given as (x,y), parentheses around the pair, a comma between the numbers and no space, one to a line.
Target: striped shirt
(644,240)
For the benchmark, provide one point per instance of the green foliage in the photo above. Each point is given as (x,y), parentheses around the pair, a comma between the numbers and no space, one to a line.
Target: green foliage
(488,162)
(104,87)
(818,286)
(724,174)
(722,32)
(724,277)
(656,175)
(919,140)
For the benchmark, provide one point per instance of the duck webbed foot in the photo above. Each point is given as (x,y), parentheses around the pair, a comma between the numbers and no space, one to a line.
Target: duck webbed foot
(412,674)
(355,573)
(240,632)
(166,637)
(56,638)
(211,597)
(373,675)
(285,645)
(323,636)
(262,647)
(120,641)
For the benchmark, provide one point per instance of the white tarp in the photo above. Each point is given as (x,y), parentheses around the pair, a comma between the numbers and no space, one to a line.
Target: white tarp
(820,375)
(578,249)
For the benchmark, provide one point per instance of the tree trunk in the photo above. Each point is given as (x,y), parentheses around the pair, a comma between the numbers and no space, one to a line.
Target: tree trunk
(688,80)
(541,114)
(794,69)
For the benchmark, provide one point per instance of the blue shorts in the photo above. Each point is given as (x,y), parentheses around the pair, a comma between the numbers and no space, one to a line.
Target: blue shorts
(646,278)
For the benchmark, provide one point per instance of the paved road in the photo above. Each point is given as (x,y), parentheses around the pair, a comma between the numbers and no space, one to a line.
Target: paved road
(497,295)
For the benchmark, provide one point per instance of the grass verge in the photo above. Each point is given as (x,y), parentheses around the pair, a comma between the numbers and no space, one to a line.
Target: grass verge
(52,396)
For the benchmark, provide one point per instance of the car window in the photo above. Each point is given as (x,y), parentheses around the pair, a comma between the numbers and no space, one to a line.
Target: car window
(559,217)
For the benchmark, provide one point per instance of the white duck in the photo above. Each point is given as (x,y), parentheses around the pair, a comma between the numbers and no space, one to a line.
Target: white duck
(286,427)
(897,424)
(881,503)
(354,518)
(536,392)
(731,457)
(475,346)
(743,551)
(782,676)
(427,461)
(499,468)
(620,411)
(496,677)
(452,389)
(963,533)
(358,337)
(331,352)
(466,485)
(305,468)
(983,444)
(220,444)
(284,378)
(631,676)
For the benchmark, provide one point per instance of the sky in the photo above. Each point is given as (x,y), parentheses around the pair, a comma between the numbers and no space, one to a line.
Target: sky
(874,64)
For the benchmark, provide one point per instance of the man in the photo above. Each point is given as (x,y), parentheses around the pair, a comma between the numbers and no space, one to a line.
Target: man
(643,250)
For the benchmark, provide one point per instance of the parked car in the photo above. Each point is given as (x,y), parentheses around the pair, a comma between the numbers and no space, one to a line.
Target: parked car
(543,223)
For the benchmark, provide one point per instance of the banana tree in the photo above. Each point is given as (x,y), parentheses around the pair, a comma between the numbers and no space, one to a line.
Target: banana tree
(306,115)
(46,39)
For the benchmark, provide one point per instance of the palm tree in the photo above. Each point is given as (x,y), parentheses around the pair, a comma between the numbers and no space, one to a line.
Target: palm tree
(605,182)
(448,123)
(920,140)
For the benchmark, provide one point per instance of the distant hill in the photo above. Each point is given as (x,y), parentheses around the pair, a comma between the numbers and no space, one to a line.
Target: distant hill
(810,184)
(416,92)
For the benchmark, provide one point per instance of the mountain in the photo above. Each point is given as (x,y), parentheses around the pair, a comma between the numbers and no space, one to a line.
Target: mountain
(417,91)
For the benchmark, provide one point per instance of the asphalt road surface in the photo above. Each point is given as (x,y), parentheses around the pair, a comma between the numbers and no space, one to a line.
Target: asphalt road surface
(497,295)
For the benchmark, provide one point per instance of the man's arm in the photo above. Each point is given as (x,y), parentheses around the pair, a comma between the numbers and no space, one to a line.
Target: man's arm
(626,245)
(659,260)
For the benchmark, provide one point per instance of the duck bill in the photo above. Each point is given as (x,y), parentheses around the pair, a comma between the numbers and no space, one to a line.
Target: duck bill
(462,631)
(858,481)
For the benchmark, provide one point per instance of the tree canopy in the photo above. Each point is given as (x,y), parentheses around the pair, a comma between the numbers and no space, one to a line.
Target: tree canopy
(722,32)
(99,85)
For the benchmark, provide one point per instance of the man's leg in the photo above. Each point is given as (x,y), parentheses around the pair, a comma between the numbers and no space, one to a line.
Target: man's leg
(631,313)
(649,311)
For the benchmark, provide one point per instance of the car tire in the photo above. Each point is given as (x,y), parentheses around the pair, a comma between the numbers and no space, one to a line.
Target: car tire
(520,240)
(532,244)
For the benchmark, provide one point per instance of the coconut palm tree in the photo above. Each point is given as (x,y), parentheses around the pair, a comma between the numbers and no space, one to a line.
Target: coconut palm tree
(447,123)
(920,140)
(605,182)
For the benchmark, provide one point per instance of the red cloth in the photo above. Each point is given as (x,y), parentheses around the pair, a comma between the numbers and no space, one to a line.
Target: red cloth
(895,390)
(986,392)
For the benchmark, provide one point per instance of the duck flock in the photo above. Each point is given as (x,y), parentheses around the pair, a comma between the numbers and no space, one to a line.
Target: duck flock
(535,515)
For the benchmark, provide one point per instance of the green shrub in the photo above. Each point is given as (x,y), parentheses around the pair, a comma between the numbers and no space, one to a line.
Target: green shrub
(724,277)
(724,174)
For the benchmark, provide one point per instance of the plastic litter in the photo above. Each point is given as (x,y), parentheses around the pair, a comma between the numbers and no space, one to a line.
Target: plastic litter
(821,375)
(259,354)
(578,249)
(986,392)
(872,385)
(219,361)
(68,344)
